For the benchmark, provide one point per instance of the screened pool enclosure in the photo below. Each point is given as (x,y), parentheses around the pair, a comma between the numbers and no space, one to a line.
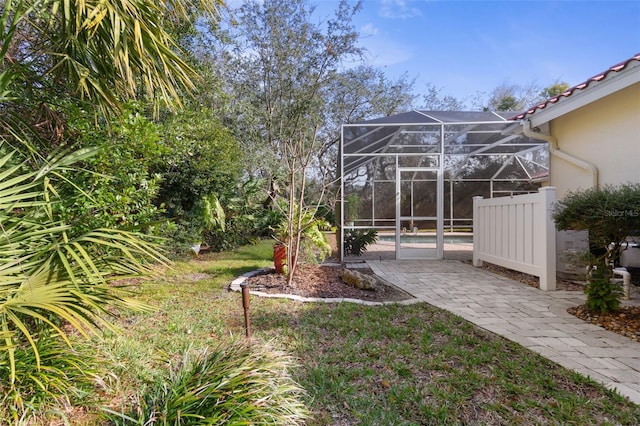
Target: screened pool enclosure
(412,176)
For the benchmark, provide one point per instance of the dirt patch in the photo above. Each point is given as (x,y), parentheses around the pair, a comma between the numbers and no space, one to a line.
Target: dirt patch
(196,277)
(325,281)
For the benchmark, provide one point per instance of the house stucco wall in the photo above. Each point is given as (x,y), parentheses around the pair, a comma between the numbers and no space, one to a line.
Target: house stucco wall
(605,133)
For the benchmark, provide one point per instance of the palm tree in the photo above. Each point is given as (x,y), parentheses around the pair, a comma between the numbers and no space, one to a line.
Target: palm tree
(100,53)
(48,277)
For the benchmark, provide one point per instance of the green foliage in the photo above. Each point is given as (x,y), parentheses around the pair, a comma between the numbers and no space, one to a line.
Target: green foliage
(313,243)
(248,216)
(233,384)
(602,294)
(100,51)
(515,97)
(50,275)
(553,90)
(51,375)
(507,103)
(357,240)
(511,97)
(202,158)
(610,214)
(118,187)
(205,216)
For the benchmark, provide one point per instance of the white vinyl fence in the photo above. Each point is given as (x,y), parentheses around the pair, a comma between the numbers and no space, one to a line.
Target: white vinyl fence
(517,233)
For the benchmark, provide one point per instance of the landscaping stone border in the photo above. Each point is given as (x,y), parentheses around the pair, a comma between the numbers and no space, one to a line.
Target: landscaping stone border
(236,286)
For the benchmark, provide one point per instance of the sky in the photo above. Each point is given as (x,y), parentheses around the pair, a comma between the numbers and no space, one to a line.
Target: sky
(466,48)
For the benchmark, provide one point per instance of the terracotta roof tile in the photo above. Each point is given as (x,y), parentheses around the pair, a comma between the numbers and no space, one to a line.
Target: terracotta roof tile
(582,86)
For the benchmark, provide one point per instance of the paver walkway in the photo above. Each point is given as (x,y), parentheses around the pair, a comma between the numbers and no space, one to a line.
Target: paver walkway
(533,318)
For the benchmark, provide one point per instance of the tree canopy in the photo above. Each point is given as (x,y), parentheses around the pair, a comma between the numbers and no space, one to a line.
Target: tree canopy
(517,97)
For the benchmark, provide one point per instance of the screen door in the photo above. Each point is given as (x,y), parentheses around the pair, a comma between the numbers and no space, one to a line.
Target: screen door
(418,230)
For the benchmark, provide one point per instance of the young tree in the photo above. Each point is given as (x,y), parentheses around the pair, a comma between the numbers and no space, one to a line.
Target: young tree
(282,66)
(292,84)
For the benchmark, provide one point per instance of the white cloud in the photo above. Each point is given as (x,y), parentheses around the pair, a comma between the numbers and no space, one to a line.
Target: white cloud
(369,30)
(397,9)
(381,50)
(383,53)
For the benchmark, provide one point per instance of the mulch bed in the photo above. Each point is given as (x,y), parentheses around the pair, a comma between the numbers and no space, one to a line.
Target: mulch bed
(625,322)
(324,281)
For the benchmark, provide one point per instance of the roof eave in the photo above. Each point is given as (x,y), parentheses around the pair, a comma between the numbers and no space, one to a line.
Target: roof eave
(596,90)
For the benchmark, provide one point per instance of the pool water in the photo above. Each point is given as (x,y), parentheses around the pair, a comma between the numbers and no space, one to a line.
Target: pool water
(448,239)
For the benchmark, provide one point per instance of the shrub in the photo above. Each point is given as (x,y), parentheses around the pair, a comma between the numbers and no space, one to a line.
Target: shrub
(313,243)
(201,158)
(610,214)
(232,384)
(247,217)
(357,240)
(602,294)
(117,185)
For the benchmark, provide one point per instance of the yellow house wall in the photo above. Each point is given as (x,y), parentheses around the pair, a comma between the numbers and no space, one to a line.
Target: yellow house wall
(605,133)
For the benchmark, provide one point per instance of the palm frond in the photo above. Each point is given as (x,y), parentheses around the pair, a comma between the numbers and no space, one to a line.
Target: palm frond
(48,277)
(108,49)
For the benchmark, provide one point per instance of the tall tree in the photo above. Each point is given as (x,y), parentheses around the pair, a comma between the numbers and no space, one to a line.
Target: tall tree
(434,100)
(355,94)
(517,97)
(511,97)
(553,90)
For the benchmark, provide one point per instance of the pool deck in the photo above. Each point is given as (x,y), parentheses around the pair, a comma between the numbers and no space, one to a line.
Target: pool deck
(386,250)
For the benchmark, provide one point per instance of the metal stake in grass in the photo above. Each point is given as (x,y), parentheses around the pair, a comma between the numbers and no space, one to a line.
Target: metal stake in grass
(245,306)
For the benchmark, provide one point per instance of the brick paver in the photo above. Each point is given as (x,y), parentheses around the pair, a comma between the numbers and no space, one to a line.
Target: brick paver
(531,317)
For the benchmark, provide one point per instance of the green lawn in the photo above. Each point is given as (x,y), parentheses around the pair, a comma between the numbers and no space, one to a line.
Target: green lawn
(383,365)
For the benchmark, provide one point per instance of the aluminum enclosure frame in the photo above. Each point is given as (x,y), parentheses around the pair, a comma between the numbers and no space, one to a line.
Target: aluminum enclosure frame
(456,143)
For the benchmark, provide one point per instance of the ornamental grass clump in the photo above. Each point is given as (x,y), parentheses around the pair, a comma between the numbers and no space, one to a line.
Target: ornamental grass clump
(55,375)
(233,384)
